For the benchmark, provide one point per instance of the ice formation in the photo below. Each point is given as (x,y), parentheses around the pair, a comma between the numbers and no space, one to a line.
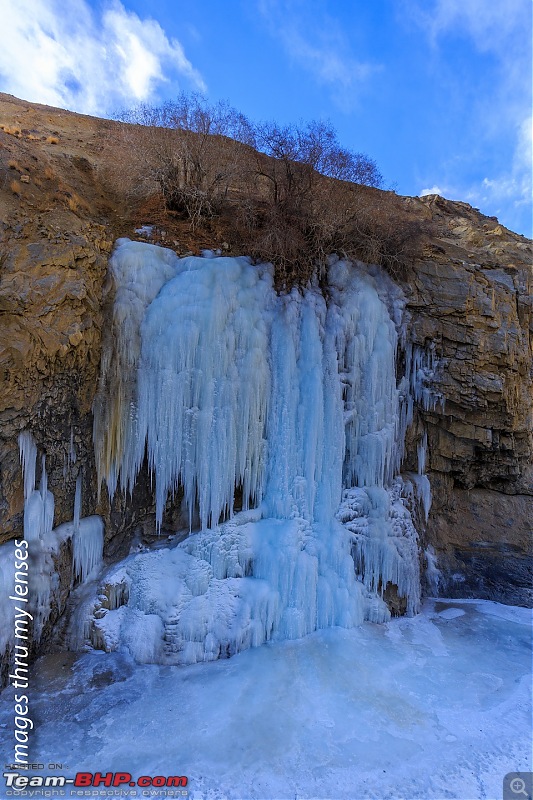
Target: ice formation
(433,573)
(44,543)
(292,401)
(417,388)
(7,582)
(421,366)
(38,505)
(87,539)
(418,487)
(428,707)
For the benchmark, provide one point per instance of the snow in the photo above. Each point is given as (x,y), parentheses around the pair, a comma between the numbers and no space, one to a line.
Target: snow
(145,230)
(423,708)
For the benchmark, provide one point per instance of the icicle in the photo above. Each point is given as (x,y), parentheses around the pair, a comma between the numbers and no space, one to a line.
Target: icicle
(139,271)
(421,480)
(47,499)
(433,573)
(38,524)
(87,538)
(77,504)
(88,545)
(28,457)
(38,505)
(7,607)
(72,449)
(421,453)
(421,365)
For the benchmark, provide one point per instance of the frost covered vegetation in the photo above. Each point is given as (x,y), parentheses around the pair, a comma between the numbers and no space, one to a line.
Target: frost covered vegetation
(290,195)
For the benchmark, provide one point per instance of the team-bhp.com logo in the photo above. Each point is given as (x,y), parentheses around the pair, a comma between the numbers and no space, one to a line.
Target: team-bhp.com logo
(15,780)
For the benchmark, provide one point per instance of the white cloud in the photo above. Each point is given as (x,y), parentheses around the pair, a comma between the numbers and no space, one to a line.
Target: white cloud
(314,40)
(62,54)
(433,190)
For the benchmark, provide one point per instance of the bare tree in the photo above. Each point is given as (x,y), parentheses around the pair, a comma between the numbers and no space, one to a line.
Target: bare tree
(194,154)
(272,182)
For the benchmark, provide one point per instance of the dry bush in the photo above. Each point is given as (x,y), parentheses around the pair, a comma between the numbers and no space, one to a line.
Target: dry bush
(381,231)
(16,188)
(11,130)
(73,203)
(295,214)
(76,203)
(70,199)
(13,164)
(191,153)
(49,173)
(290,195)
(52,140)
(337,217)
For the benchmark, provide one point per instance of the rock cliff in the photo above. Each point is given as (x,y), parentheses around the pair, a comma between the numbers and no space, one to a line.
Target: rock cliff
(471,296)
(469,299)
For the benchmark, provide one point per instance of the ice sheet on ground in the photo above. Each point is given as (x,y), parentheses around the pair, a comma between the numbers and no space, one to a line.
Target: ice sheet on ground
(421,708)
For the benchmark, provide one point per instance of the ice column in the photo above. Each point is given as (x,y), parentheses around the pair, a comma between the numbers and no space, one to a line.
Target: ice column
(87,538)
(38,505)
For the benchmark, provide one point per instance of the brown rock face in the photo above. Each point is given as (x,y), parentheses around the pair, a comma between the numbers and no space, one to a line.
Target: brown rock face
(471,298)
(51,294)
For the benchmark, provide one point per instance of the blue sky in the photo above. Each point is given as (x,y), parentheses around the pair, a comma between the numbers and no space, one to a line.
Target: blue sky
(438,92)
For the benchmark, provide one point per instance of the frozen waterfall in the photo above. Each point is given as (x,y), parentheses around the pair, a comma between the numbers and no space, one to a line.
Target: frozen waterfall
(291,401)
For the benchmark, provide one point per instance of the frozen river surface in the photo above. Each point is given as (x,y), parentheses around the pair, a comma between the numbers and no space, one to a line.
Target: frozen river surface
(435,706)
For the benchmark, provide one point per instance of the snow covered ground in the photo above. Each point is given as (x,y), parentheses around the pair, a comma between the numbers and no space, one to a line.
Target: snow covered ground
(433,706)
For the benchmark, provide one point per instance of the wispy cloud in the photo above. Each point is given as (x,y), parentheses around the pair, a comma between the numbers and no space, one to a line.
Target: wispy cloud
(64,54)
(501,30)
(510,192)
(507,194)
(488,24)
(313,39)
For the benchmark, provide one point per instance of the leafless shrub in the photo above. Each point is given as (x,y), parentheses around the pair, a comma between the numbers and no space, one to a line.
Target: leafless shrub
(288,194)
(192,152)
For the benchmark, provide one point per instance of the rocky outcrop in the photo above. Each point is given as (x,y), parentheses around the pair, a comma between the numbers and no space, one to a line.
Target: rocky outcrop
(471,299)
(51,311)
